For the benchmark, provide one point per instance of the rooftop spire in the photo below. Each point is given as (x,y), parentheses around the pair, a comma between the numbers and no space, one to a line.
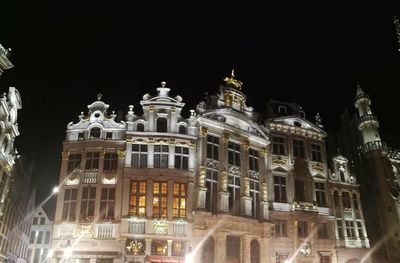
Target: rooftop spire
(359,89)
(232,81)
(99,95)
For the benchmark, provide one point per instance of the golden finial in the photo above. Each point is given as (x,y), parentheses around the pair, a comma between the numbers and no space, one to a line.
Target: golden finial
(232,81)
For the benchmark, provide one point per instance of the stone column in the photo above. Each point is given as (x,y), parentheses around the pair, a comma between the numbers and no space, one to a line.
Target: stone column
(125,196)
(189,203)
(201,188)
(169,249)
(128,158)
(223,194)
(149,200)
(220,247)
(171,155)
(148,246)
(170,199)
(150,155)
(119,188)
(246,239)
(246,199)
(264,213)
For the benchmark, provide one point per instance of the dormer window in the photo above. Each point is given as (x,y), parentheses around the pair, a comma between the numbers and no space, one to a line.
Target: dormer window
(161,125)
(282,110)
(81,136)
(140,127)
(95,133)
(109,135)
(182,129)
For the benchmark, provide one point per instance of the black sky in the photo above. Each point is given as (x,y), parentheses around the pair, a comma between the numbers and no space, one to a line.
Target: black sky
(312,53)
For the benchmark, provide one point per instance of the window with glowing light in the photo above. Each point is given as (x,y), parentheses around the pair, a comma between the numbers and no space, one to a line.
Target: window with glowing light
(161,156)
(212,147)
(278,146)
(181,157)
(137,200)
(179,204)
(88,203)
(69,205)
(159,247)
(107,203)
(139,155)
(178,248)
(160,195)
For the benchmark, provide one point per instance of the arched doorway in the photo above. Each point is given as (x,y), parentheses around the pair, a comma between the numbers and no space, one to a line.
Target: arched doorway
(254,251)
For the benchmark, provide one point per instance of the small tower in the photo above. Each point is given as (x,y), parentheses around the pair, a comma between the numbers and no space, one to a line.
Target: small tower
(368,123)
(232,93)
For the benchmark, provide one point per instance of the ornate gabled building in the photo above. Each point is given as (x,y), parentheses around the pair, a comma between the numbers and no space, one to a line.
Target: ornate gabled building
(218,186)
(5,62)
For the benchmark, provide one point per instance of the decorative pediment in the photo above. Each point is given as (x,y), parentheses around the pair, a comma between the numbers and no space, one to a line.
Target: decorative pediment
(279,169)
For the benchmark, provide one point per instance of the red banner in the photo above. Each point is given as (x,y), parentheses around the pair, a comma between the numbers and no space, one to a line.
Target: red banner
(164,259)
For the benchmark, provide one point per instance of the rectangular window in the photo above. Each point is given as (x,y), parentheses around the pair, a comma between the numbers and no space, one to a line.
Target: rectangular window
(35,221)
(299,190)
(160,156)
(40,238)
(107,203)
(281,258)
(212,147)
(139,155)
(325,259)
(323,231)
(302,230)
(74,162)
(109,135)
(234,193)
(340,228)
(360,229)
(350,229)
(92,161)
(234,153)
(280,228)
(316,154)
(212,190)
(32,237)
(181,157)
(278,146)
(320,194)
(254,183)
(298,148)
(179,205)
(110,162)
(280,189)
(88,203)
(47,237)
(69,206)
(137,201)
(253,160)
(346,199)
(336,199)
(42,220)
(233,247)
(160,194)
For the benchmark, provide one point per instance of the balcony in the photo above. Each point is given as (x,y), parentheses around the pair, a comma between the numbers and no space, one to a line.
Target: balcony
(90,177)
(367,119)
(179,228)
(67,231)
(137,226)
(362,96)
(374,146)
(105,231)
(304,206)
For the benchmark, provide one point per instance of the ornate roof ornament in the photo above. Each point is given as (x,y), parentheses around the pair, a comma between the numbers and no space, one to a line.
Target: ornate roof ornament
(232,81)
(99,95)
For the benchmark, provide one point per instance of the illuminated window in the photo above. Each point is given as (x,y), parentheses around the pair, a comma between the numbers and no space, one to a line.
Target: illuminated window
(139,155)
(179,205)
(178,248)
(350,229)
(159,247)
(161,125)
(161,156)
(278,146)
(69,205)
(280,228)
(302,229)
(181,157)
(316,154)
(280,189)
(298,148)
(346,200)
(320,194)
(212,147)
(137,202)
(92,161)
(107,203)
(160,193)
(234,154)
(212,190)
(110,162)
(74,162)
(253,160)
(88,203)
(323,231)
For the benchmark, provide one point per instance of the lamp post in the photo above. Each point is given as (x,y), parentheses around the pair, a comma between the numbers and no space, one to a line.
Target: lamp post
(189,258)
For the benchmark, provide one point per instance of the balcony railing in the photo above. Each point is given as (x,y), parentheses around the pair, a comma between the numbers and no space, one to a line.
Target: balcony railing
(179,228)
(137,226)
(374,146)
(105,231)
(90,177)
(362,96)
(67,231)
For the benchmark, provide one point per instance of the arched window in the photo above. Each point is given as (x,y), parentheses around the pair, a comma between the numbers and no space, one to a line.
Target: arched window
(95,132)
(140,127)
(182,129)
(162,125)
(254,251)
(207,254)
(342,176)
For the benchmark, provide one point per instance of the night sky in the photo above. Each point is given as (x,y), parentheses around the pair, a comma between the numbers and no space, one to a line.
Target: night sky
(312,53)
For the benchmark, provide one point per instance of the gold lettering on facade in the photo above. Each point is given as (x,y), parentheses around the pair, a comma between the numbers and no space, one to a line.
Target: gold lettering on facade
(202,176)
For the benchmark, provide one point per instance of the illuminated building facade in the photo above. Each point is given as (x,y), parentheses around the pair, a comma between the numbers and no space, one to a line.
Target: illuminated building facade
(218,186)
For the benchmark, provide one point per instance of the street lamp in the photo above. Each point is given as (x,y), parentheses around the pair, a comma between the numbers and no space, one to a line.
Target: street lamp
(189,258)
(56,189)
